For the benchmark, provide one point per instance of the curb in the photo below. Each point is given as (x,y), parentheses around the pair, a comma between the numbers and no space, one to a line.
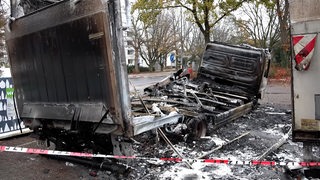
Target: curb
(145,75)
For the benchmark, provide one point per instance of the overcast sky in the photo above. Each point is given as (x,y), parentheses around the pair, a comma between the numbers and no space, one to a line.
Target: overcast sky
(5,4)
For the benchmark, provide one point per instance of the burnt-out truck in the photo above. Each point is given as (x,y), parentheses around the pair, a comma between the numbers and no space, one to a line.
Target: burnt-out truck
(229,83)
(71,84)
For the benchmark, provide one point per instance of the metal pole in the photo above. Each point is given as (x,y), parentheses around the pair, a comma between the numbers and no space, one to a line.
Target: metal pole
(165,138)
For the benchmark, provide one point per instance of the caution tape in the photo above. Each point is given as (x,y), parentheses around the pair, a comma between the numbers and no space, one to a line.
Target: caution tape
(170,159)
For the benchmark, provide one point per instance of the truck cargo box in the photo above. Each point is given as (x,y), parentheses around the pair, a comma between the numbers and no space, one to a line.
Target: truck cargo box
(305,69)
(69,73)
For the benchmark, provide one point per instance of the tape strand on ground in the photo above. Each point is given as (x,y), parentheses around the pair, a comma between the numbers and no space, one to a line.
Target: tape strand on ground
(167,159)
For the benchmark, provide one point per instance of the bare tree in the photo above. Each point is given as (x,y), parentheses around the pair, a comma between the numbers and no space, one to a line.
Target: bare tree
(282,9)
(204,14)
(157,41)
(194,42)
(261,25)
(227,31)
(183,33)
(136,36)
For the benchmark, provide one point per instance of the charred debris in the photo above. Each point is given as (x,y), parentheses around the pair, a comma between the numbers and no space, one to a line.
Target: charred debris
(90,101)
(228,85)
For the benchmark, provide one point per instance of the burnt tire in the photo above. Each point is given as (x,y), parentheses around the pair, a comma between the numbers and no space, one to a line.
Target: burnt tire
(197,127)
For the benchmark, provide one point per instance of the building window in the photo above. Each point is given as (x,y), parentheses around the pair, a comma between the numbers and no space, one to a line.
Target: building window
(130,61)
(130,51)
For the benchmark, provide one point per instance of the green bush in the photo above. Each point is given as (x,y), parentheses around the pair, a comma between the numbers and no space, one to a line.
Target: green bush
(144,69)
(130,69)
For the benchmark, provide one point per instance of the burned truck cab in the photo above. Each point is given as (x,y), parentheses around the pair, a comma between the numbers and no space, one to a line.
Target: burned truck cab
(229,83)
(242,69)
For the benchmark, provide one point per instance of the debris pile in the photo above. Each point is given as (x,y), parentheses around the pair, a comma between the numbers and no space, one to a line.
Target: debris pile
(228,85)
(265,130)
(198,101)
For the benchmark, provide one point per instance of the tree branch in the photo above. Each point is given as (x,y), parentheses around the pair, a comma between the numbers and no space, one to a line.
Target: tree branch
(227,13)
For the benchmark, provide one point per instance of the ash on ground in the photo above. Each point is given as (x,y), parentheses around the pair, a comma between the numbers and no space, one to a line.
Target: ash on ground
(267,125)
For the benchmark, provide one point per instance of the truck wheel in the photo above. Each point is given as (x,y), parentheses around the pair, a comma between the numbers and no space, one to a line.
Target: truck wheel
(199,128)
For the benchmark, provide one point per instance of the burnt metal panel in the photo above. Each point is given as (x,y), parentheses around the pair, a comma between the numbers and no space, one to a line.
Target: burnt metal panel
(306,136)
(120,65)
(62,55)
(234,65)
(48,111)
(90,112)
(232,114)
(147,123)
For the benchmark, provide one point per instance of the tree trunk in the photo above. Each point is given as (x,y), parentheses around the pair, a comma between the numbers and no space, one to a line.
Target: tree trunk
(206,35)
(151,67)
(283,16)
(136,60)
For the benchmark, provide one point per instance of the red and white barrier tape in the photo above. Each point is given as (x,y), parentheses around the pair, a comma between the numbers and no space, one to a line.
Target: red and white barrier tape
(171,159)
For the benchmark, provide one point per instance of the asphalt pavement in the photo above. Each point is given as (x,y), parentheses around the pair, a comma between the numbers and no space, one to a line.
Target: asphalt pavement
(151,74)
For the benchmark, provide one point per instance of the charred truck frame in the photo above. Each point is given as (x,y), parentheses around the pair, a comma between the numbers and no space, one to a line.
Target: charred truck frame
(71,83)
(228,84)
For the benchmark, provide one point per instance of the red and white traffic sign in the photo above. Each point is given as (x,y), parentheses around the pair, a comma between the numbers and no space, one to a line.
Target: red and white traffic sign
(303,49)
